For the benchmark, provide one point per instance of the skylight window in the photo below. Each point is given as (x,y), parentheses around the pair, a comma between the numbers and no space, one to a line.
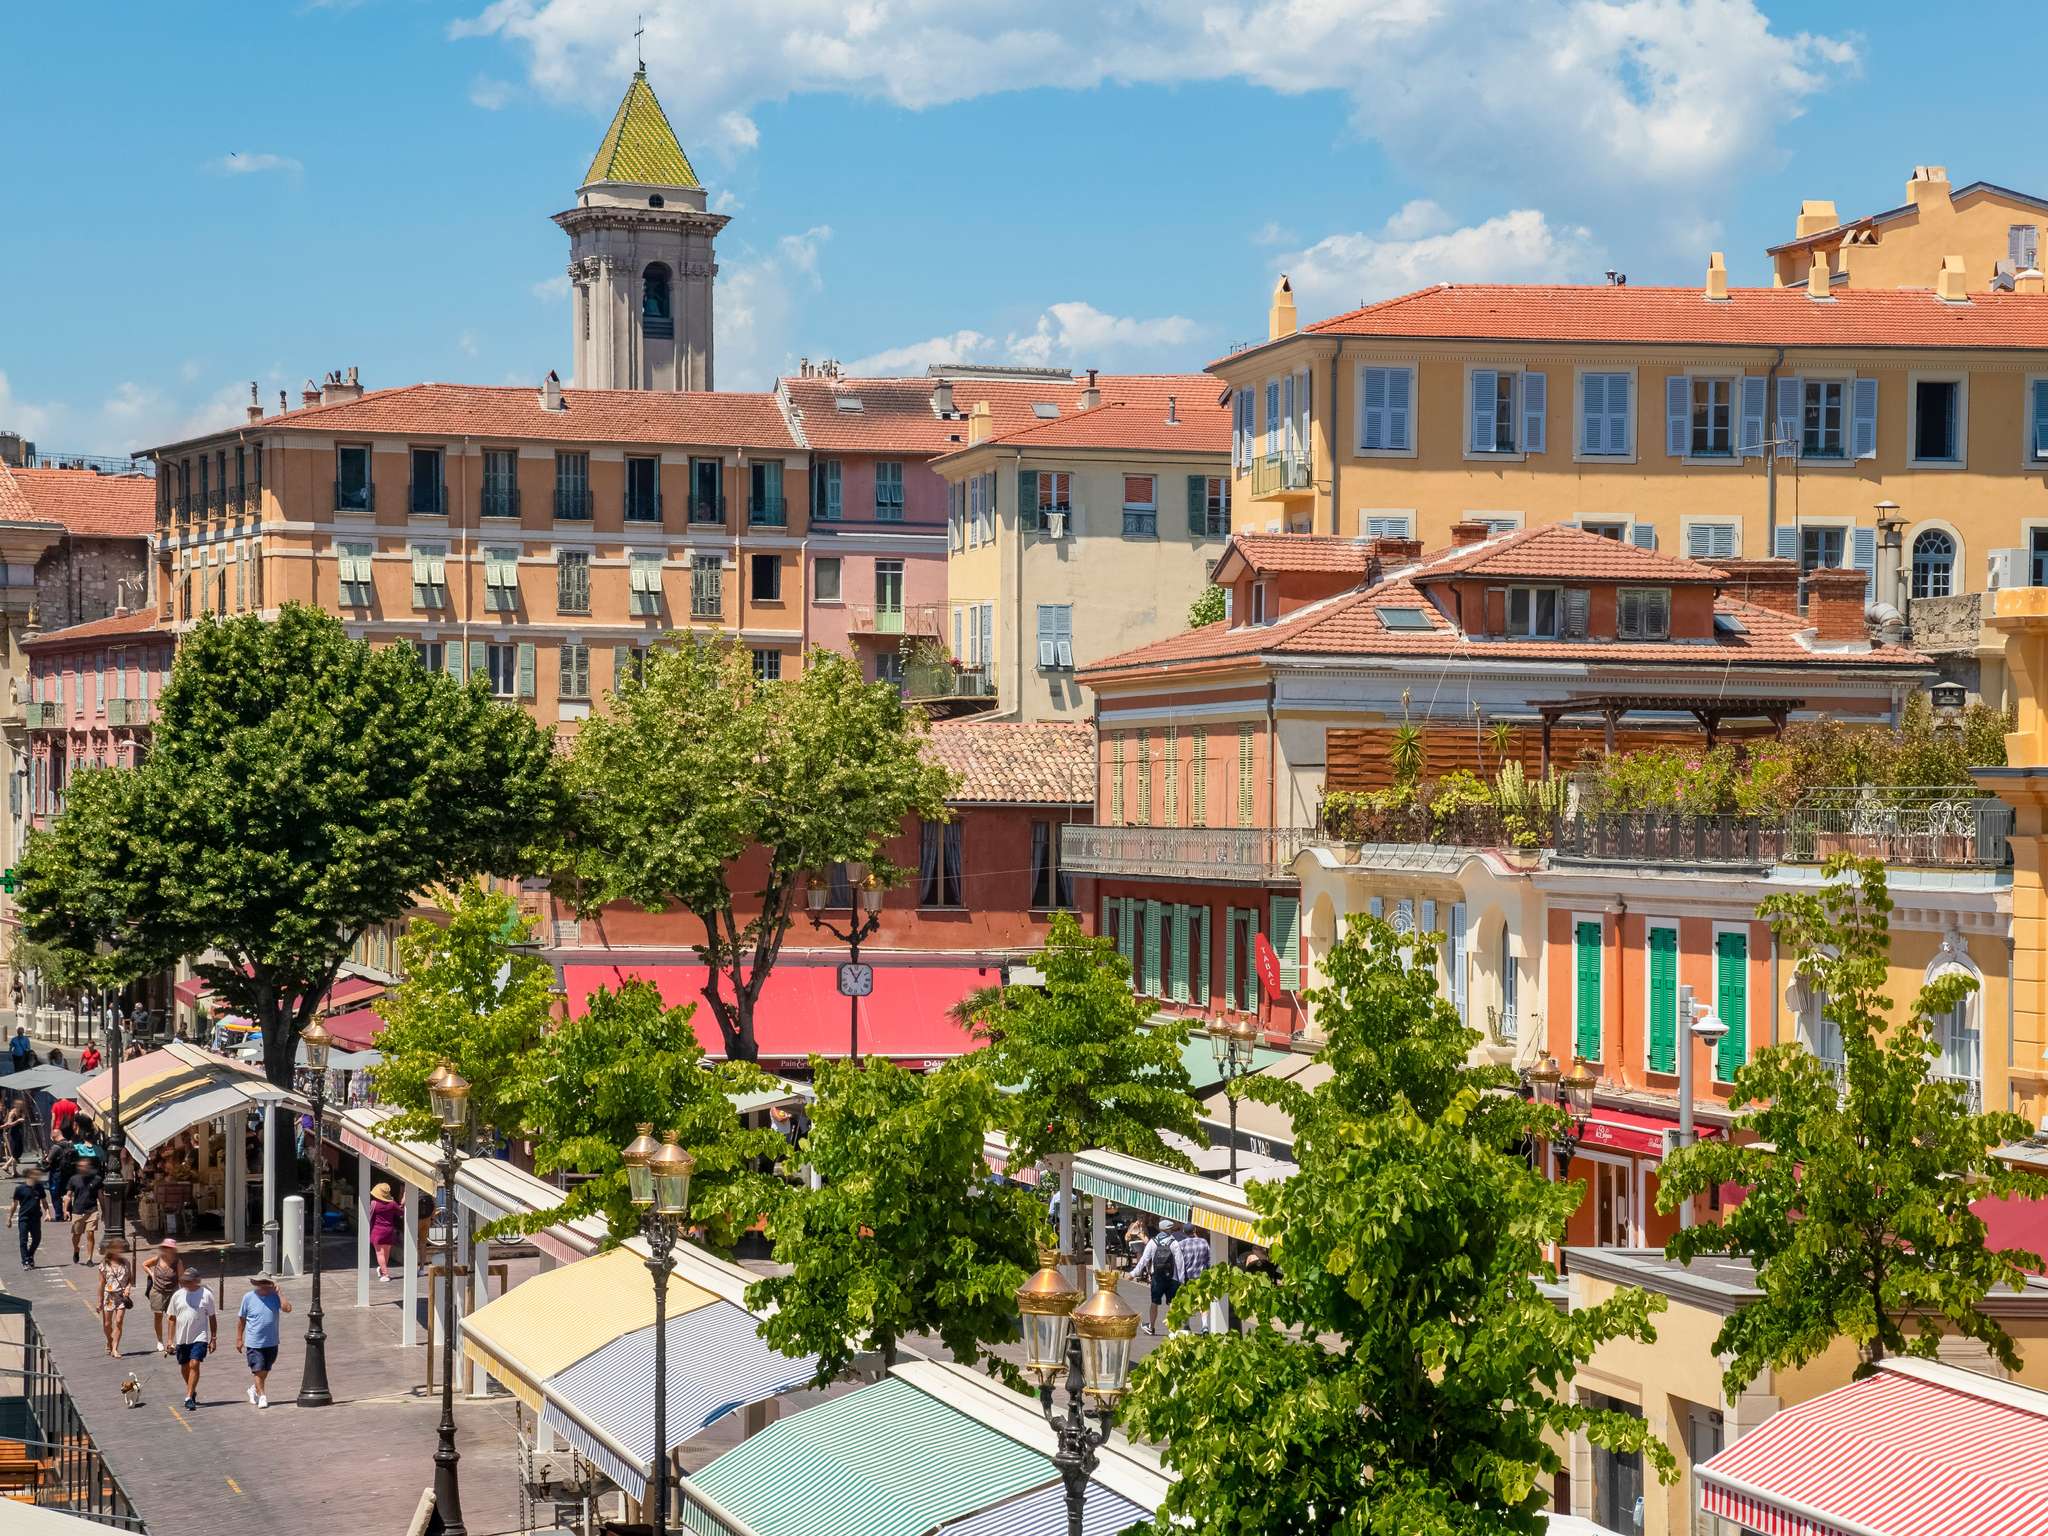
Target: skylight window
(847,402)
(1045,410)
(1728,624)
(1403,618)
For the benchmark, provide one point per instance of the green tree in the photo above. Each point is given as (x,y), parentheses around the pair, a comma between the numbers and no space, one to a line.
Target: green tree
(628,1061)
(300,787)
(1207,608)
(473,994)
(700,776)
(1858,1216)
(908,1233)
(1399,1373)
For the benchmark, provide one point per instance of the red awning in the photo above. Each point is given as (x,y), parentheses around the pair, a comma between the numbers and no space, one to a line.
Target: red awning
(1918,1449)
(355,1030)
(349,989)
(800,1012)
(1629,1130)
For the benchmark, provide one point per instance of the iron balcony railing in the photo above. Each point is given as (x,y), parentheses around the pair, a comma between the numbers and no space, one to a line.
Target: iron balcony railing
(643,509)
(426,498)
(1671,838)
(499,501)
(920,619)
(1235,855)
(1276,474)
(768,511)
(1931,827)
(99,463)
(39,717)
(572,503)
(128,712)
(355,498)
(74,1476)
(929,681)
(707,509)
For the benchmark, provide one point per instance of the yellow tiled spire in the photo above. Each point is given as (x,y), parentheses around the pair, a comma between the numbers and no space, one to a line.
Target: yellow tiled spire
(640,146)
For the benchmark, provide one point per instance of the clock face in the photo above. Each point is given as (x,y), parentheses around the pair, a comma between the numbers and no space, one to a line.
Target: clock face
(856,980)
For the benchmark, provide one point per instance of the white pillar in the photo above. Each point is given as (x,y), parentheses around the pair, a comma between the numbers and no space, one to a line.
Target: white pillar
(362,1230)
(409,1320)
(480,1295)
(236,1179)
(1099,1233)
(463,1251)
(291,1248)
(271,1258)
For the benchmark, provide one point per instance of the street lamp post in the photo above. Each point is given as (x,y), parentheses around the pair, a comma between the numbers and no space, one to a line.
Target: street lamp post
(658,1179)
(1092,1345)
(866,917)
(313,1391)
(1571,1092)
(449,1095)
(1233,1040)
(1699,1018)
(114,1190)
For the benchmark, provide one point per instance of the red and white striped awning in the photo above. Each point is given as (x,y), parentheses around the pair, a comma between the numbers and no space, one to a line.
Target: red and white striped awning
(1919,1449)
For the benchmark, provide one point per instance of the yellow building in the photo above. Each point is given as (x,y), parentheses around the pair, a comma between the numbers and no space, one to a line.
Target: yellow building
(1991,233)
(1082,533)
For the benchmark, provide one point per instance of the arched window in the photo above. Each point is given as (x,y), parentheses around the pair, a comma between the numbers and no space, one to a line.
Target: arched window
(1934,564)
(657,316)
(656,200)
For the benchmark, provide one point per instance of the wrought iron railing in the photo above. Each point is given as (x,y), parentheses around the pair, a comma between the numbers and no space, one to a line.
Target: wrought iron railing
(500,501)
(923,619)
(355,498)
(1930,827)
(926,681)
(767,511)
(1670,837)
(1240,855)
(572,503)
(74,1476)
(426,498)
(1276,474)
(100,463)
(643,509)
(707,509)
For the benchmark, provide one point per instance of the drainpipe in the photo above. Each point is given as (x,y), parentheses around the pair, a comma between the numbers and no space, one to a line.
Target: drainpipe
(1771,455)
(1330,436)
(2011,1049)
(995,496)
(462,474)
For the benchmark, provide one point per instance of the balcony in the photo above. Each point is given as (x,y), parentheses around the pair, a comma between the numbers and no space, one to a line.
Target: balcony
(40,717)
(499,501)
(643,509)
(1224,855)
(930,682)
(355,498)
(1936,827)
(923,620)
(1668,838)
(707,509)
(426,498)
(572,503)
(1281,475)
(768,511)
(128,712)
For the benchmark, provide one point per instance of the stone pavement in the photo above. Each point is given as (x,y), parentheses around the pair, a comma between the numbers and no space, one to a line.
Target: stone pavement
(357,1467)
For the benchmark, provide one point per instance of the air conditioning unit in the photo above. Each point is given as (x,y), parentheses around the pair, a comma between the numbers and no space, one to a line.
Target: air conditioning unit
(2008,568)
(1055,525)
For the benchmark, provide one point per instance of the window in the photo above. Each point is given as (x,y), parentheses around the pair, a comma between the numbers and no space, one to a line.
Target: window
(2023,246)
(572,486)
(501,580)
(1643,613)
(889,668)
(1385,410)
(572,581)
(1710,428)
(981,510)
(352,489)
(765,505)
(1508,1022)
(1820,549)
(1051,886)
(1712,541)
(2037,560)
(1385,525)
(643,584)
(1043,491)
(1959,1048)
(657,315)
(643,490)
(575,670)
(1937,421)
(1606,422)
(426,499)
(825,580)
(827,476)
(1586,990)
(1241,431)
(1209,506)
(503,664)
(1116,778)
(767,665)
(1273,424)
(938,865)
(707,587)
(889,492)
(1820,418)
(707,495)
(1533,612)
(1141,507)
(1260,605)
(353,572)
(501,483)
(766,583)
(1055,637)
(429,576)
(1934,564)
(1509,411)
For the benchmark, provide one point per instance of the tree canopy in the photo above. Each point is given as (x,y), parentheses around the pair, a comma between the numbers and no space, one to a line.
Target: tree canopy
(1400,1372)
(1857,1212)
(300,787)
(701,775)
(907,1233)
(1207,608)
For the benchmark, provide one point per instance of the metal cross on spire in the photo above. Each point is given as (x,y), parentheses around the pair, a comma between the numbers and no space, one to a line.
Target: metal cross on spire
(639,53)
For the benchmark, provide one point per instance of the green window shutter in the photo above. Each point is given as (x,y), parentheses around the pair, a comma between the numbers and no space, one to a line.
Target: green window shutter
(1586,1040)
(1287,940)
(1027,500)
(1108,907)
(1127,937)
(526,688)
(1731,1002)
(1154,921)
(1198,504)
(479,659)
(1198,777)
(1201,988)
(1230,926)
(1663,999)
(1179,991)
(1252,987)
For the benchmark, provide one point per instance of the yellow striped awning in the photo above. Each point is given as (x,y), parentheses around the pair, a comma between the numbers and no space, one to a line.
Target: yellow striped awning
(144,1079)
(558,1317)
(1230,1226)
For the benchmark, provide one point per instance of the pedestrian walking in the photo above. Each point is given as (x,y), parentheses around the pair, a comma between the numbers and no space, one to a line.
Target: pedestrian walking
(15,1131)
(117,1281)
(20,1054)
(160,1275)
(27,1214)
(387,1223)
(1155,1263)
(82,1204)
(194,1318)
(256,1331)
(62,1112)
(56,1058)
(1191,1256)
(89,1059)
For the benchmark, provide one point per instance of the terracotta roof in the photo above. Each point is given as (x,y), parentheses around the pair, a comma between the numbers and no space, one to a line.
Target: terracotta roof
(1278,554)
(640,146)
(88,503)
(895,414)
(1554,550)
(712,419)
(1139,425)
(1749,317)
(1016,763)
(140,622)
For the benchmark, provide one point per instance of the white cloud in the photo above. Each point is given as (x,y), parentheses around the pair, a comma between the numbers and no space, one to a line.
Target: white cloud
(469,344)
(1418,218)
(16,415)
(132,417)
(967,346)
(489,93)
(238,164)
(550,290)
(800,252)
(724,201)
(1272,232)
(1067,334)
(758,314)
(1341,272)
(1650,106)
(737,131)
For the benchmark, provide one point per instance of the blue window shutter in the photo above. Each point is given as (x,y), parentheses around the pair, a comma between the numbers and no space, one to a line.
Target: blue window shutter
(1864,418)
(1027,500)
(1593,413)
(1372,408)
(1755,407)
(1485,385)
(1127,938)
(1287,940)
(1731,1001)
(1400,390)
(1788,415)
(1428,924)
(478,659)
(1678,415)
(1785,542)
(1457,958)
(1535,410)
(1586,1010)
(526,659)
(1377,906)
(1663,944)
(1863,556)
(1643,536)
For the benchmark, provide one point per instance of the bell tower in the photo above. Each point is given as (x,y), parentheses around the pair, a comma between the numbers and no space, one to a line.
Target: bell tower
(640,257)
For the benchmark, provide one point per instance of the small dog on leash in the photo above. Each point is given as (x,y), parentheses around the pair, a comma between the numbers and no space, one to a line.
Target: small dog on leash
(131,1390)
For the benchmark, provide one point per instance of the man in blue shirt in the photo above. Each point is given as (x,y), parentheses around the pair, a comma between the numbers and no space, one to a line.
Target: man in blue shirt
(256,1332)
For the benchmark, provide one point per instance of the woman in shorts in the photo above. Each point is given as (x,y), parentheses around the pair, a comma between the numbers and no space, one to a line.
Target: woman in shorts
(117,1278)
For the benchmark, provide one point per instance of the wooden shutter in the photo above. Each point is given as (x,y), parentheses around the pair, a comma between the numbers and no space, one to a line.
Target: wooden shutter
(1643,536)
(1155,923)
(1198,777)
(1620,413)
(1372,407)
(1230,925)
(1169,789)
(1677,415)
(1663,945)
(1377,907)
(1863,556)
(1578,603)
(1244,775)
(1731,1001)
(622,666)
(1586,1003)
(1485,385)
(1127,938)
(1755,407)
(1047,648)
(1863,420)
(1286,912)
(1456,958)
(1200,992)
(526,684)
(1535,410)
(1593,413)
(451,659)
(1198,505)
(1181,925)
(1027,501)
(1063,636)
(1108,913)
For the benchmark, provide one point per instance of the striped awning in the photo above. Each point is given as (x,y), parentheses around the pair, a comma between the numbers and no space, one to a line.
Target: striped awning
(888,1460)
(1131,1194)
(151,1129)
(1043,1512)
(603,1405)
(1224,1223)
(1916,1450)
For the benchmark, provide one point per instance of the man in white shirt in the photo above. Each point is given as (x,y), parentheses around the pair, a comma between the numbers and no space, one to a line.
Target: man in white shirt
(195,1327)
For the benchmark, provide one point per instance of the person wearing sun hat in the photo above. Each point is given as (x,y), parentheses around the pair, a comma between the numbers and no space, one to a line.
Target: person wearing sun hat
(160,1273)
(387,1222)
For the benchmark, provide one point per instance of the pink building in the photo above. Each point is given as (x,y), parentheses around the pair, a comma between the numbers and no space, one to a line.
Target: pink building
(92,693)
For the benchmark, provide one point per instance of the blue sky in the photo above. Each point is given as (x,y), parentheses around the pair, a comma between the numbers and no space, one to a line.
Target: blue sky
(1088,182)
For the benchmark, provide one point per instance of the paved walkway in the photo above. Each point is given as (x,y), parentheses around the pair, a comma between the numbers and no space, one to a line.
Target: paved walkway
(229,1470)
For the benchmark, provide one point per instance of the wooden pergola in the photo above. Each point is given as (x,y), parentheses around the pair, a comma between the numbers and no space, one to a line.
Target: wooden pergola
(1709,710)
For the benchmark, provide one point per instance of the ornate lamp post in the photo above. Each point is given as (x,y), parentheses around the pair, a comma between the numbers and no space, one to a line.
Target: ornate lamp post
(1571,1092)
(658,1178)
(114,1189)
(1092,1344)
(449,1095)
(313,1393)
(854,982)
(1233,1039)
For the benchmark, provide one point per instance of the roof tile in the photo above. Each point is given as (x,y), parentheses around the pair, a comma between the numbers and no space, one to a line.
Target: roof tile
(640,146)
(139,622)
(1018,763)
(90,504)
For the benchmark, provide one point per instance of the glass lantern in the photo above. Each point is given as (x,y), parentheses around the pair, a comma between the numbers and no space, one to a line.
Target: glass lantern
(871,895)
(1219,1038)
(671,1167)
(638,1155)
(1578,1088)
(1046,1306)
(1543,1081)
(449,1094)
(815,894)
(315,1041)
(1107,1325)
(1244,1036)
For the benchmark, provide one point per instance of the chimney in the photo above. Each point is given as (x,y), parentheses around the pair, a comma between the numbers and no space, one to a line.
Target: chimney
(551,392)
(283,403)
(1815,215)
(2029,281)
(1950,284)
(1464,535)
(942,399)
(309,393)
(255,404)
(1927,187)
(1392,550)
(1172,411)
(1091,397)
(1817,277)
(341,388)
(981,423)
(1772,584)
(1717,276)
(1834,605)
(1280,319)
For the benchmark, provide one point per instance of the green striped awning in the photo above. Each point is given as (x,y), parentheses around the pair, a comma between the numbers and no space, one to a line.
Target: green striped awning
(888,1460)
(1131,1195)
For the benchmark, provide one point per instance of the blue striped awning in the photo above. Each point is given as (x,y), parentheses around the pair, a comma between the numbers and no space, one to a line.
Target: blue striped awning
(1130,1194)
(603,1405)
(1043,1512)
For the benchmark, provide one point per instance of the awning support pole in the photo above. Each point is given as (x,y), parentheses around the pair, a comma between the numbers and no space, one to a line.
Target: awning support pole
(362,1230)
(409,1323)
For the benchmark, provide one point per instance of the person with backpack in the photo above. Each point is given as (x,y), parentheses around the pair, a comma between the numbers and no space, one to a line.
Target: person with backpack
(1155,1262)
